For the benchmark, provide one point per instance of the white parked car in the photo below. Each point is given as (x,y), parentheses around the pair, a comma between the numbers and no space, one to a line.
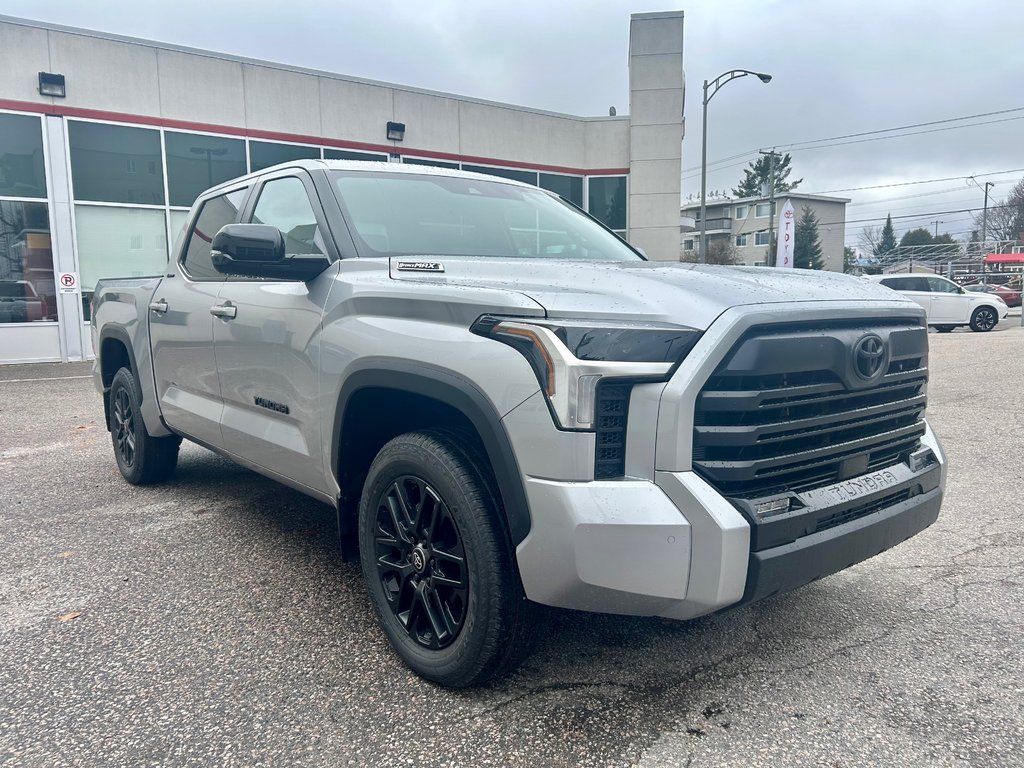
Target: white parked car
(947,305)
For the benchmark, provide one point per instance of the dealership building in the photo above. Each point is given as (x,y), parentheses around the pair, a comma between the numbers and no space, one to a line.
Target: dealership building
(106,141)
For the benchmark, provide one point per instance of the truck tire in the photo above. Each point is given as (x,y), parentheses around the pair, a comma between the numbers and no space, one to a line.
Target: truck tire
(438,564)
(984,319)
(142,458)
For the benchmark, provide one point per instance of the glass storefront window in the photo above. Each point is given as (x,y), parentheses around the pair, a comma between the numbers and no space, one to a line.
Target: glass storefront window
(27,292)
(348,154)
(116,163)
(178,221)
(263,154)
(432,163)
(607,200)
(196,162)
(22,172)
(569,187)
(528,177)
(118,242)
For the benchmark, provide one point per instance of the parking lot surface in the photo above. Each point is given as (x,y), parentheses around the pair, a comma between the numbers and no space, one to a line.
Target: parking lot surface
(211,621)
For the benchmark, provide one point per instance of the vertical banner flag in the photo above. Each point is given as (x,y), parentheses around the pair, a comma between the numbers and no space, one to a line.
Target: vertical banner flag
(787,232)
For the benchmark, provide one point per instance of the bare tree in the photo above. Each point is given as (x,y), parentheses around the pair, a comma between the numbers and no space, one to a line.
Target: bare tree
(870,240)
(1005,217)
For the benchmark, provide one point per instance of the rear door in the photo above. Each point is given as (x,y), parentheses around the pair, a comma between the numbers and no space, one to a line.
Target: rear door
(266,342)
(181,326)
(914,287)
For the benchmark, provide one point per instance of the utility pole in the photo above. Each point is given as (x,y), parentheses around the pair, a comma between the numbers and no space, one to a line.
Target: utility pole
(936,223)
(984,233)
(771,201)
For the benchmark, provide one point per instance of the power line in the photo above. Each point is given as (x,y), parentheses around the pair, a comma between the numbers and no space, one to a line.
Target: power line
(907,127)
(922,181)
(912,216)
(884,130)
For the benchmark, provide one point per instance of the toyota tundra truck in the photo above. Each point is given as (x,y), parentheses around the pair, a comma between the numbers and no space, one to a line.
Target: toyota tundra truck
(509,407)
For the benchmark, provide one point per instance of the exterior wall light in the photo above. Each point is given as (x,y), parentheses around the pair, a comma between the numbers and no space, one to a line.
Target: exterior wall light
(51,84)
(396,131)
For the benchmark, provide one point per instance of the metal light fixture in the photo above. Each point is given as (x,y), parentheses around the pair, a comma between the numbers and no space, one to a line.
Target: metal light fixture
(396,131)
(710,89)
(51,84)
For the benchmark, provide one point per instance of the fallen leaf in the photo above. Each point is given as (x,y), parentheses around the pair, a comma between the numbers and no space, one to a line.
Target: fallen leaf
(67,553)
(69,616)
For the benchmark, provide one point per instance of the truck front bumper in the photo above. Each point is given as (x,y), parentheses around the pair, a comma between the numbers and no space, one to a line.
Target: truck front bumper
(676,548)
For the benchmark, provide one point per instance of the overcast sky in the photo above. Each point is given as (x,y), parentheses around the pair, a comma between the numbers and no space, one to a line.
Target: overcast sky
(838,67)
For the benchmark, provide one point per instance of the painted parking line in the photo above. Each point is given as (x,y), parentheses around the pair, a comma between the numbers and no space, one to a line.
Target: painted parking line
(52,378)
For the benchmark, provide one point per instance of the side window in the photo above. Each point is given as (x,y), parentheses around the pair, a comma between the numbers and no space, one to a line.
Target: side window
(891,282)
(215,213)
(283,203)
(938,285)
(917,284)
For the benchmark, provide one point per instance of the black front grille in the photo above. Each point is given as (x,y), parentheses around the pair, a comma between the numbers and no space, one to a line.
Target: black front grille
(610,425)
(785,413)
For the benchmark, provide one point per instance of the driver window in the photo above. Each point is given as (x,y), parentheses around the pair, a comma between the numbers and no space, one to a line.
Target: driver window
(283,203)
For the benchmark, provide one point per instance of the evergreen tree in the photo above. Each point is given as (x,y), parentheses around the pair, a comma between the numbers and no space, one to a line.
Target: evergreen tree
(849,259)
(806,243)
(755,178)
(887,243)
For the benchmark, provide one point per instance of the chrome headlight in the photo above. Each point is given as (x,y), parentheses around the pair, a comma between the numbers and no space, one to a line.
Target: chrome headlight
(571,357)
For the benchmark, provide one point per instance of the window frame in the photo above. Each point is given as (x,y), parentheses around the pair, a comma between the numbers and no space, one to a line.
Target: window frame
(736,212)
(745,236)
(762,215)
(193,217)
(768,240)
(315,200)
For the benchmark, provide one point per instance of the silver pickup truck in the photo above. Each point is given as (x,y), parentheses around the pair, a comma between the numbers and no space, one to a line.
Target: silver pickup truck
(509,407)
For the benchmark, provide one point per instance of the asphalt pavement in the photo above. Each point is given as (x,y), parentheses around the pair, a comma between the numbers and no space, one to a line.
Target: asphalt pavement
(211,621)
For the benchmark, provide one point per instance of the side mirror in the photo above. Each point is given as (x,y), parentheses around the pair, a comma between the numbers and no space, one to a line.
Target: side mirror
(257,250)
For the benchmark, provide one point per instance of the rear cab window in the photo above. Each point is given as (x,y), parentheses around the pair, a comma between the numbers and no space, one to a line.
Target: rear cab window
(215,213)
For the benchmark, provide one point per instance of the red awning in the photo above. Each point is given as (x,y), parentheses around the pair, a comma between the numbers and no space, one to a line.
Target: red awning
(1005,258)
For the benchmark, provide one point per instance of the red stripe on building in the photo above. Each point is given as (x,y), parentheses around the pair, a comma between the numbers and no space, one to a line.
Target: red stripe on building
(61,110)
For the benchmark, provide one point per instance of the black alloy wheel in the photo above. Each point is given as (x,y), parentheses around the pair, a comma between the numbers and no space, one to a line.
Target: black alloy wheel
(438,564)
(421,562)
(984,319)
(141,458)
(123,426)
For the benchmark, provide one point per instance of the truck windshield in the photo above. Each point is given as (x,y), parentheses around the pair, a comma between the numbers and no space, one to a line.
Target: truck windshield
(399,214)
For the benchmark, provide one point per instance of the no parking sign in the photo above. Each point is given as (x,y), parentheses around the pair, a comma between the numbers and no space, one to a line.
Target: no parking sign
(68,282)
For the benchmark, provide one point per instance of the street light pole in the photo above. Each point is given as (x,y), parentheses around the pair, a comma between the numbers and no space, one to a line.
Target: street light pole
(710,89)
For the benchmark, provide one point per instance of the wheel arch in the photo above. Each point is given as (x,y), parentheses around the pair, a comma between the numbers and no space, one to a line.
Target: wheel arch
(419,396)
(114,352)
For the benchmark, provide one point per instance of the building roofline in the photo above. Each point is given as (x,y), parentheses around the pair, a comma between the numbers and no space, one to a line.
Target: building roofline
(764,199)
(113,37)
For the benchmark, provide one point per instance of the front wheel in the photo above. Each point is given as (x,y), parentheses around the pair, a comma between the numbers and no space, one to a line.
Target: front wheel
(984,319)
(945,328)
(438,563)
(142,458)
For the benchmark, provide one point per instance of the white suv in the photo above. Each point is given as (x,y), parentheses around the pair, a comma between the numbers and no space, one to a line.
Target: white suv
(947,305)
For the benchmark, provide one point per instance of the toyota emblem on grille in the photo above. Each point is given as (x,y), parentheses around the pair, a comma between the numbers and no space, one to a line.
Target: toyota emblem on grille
(869,356)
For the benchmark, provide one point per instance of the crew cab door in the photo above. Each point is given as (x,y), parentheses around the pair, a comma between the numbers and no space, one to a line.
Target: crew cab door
(181,326)
(266,341)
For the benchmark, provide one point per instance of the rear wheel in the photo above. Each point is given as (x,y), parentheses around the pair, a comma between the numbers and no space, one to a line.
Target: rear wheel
(984,319)
(142,458)
(944,328)
(438,564)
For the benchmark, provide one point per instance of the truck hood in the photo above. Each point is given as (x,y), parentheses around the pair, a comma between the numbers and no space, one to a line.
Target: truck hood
(690,294)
